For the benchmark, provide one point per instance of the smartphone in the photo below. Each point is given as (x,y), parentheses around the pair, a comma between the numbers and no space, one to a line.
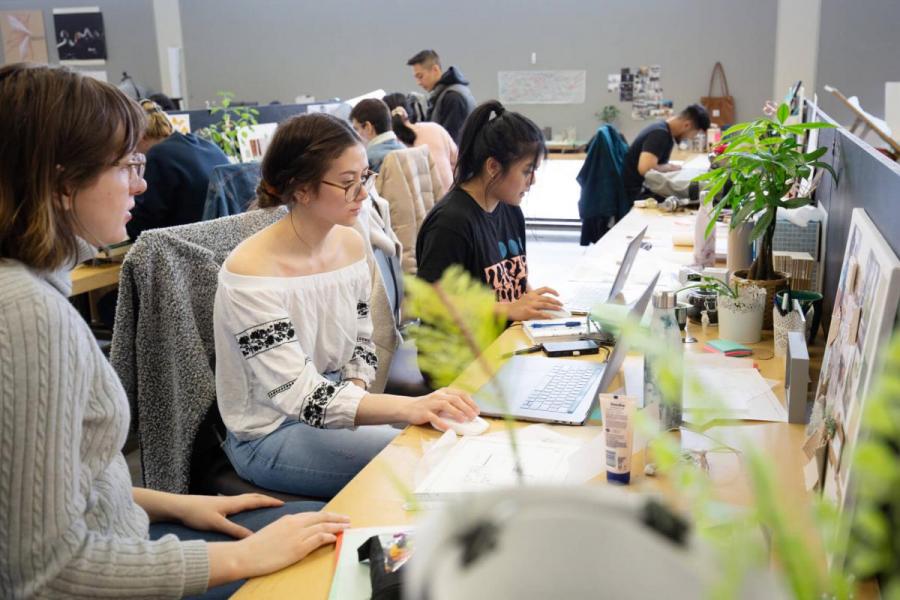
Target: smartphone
(577,348)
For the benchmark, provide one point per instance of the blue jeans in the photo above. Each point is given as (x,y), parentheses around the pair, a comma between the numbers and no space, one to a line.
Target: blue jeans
(254,520)
(307,461)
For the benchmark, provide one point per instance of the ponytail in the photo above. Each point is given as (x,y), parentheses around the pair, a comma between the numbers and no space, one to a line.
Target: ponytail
(400,111)
(491,131)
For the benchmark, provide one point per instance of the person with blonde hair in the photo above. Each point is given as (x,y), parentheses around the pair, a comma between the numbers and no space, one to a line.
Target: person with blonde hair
(178,170)
(72,524)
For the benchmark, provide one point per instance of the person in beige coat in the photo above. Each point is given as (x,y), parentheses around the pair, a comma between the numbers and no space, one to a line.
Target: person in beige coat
(441,146)
(409,181)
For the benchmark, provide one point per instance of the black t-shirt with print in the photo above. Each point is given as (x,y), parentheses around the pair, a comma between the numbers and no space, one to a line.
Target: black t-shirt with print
(655,139)
(490,246)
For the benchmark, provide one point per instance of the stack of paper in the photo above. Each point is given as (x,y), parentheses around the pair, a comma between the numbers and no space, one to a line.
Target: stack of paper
(712,393)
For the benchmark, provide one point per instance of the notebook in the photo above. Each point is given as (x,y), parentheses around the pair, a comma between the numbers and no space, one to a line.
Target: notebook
(728,348)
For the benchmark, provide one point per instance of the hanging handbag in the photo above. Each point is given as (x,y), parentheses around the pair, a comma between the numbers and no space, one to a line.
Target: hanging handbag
(720,108)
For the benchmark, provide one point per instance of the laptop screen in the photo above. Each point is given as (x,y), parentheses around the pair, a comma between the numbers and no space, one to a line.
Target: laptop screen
(625,267)
(617,357)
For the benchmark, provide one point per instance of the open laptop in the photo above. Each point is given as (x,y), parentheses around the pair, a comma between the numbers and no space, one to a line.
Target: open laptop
(556,390)
(585,296)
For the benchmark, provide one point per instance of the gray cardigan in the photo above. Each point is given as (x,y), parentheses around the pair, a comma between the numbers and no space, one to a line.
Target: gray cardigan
(68,524)
(163,345)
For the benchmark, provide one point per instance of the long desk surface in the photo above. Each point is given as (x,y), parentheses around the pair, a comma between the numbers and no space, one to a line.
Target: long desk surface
(373,497)
(87,277)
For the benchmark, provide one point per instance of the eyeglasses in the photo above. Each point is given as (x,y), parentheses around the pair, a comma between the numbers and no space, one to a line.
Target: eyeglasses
(136,163)
(352,190)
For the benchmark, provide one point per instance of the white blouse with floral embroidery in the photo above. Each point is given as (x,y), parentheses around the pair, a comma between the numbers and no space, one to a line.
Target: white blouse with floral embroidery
(277,336)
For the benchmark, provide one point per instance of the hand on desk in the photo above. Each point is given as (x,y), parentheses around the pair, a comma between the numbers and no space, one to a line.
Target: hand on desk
(454,404)
(535,304)
(280,544)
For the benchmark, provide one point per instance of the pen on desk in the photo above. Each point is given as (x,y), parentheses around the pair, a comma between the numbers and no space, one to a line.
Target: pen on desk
(558,324)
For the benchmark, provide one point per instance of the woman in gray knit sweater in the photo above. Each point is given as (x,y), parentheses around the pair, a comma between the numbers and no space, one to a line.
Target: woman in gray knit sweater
(71,525)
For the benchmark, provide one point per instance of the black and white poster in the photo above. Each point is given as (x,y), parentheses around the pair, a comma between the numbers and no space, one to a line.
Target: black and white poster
(80,37)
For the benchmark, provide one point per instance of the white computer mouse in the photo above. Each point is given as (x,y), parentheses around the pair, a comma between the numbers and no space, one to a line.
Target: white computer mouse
(476,426)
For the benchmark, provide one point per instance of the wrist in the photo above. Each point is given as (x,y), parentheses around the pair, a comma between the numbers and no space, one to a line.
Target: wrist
(227,562)
(403,412)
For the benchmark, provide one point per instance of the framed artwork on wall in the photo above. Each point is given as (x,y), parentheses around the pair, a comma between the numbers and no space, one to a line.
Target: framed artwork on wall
(864,314)
(80,36)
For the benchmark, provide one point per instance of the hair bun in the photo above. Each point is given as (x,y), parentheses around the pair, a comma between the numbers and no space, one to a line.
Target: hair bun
(267,196)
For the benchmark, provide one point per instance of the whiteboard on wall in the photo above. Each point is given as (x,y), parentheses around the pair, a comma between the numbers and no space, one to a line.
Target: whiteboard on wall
(542,87)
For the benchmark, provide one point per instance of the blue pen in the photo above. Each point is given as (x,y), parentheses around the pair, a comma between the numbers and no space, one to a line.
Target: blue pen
(560,324)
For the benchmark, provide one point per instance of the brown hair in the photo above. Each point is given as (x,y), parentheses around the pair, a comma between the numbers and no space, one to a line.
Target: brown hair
(60,130)
(300,153)
(158,125)
(374,111)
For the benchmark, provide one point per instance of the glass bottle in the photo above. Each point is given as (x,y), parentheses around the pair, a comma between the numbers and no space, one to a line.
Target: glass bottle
(667,338)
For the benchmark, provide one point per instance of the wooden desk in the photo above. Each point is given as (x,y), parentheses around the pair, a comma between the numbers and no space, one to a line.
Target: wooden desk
(372,497)
(87,277)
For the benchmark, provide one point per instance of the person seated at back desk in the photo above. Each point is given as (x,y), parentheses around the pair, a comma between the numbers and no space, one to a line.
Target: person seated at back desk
(371,119)
(178,170)
(653,146)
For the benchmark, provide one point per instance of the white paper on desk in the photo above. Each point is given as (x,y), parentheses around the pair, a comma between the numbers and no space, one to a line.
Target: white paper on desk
(731,394)
(476,463)
(588,461)
(432,453)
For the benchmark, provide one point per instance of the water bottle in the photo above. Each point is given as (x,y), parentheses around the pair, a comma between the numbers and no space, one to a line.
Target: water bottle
(665,335)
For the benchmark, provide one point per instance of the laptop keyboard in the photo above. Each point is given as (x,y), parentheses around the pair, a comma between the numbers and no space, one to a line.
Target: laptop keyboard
(562,390)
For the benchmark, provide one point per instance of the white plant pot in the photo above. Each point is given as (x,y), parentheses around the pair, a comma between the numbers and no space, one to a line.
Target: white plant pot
(741,319)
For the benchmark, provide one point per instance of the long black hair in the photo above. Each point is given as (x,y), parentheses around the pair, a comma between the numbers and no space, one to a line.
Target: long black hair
(491,131)
(404,132)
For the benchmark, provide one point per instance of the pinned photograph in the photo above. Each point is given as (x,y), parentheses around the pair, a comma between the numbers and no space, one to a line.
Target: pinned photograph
(80,37)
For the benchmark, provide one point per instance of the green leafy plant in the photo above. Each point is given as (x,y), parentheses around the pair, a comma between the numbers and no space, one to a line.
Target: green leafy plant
(457,325)
(874,537)
(232,124)
(608,113)
(759,170)
(713,284)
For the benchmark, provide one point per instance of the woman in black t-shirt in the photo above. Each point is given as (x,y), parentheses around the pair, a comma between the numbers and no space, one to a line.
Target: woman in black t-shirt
(479,224)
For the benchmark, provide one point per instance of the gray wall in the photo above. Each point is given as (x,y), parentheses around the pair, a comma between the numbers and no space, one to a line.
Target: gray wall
(866,179)
(859,50)
(275,49)
(130,35)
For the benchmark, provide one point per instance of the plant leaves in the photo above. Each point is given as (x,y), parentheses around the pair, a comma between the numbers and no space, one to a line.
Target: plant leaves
(784,112)
(762,224)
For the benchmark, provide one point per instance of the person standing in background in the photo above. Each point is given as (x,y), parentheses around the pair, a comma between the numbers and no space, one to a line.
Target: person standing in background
(450,101)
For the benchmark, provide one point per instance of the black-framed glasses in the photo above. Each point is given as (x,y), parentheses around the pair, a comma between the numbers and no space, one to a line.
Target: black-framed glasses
(352,190)
(136,163)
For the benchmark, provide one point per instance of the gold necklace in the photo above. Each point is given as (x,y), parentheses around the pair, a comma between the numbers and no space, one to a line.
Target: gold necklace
(297,233)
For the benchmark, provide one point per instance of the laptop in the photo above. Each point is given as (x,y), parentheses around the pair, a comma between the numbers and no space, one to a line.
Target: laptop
(586,297)
(556,390)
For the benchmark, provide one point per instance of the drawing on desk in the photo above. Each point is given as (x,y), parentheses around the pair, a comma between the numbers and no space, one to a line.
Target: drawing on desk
(481,463)
(863,315)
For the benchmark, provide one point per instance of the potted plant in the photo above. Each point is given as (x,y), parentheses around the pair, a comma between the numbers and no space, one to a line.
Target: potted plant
(608,114)
(234,123)
(759,171)
(739,308)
